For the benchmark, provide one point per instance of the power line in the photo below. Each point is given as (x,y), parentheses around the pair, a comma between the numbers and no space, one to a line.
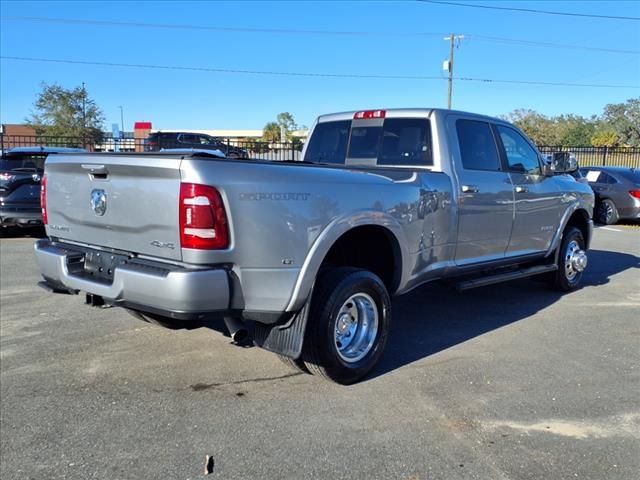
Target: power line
(307,74)
(109,23)
(531,10)
(504,40)
(223,70)
(533,43)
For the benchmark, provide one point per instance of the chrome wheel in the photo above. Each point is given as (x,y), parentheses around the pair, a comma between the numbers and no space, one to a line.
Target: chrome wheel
(356,327)
(575,260)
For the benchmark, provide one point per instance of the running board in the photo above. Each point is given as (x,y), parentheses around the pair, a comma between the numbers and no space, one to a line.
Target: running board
(504,277)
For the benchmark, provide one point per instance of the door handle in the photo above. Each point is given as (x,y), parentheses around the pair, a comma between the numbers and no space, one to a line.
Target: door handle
(521,189)
(95,168)
(470,189)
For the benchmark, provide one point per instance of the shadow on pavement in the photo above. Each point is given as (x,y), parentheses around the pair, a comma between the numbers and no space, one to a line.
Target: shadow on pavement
(435,317)
(22,232)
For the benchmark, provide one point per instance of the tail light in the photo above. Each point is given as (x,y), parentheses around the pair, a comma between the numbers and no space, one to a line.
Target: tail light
(43,199)
(203,220)
(635,193)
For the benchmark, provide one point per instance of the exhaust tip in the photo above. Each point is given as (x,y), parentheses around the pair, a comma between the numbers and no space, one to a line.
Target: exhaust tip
(240,335)
(236,328)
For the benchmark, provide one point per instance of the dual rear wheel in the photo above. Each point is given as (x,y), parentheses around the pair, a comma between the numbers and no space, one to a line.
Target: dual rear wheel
(348,325)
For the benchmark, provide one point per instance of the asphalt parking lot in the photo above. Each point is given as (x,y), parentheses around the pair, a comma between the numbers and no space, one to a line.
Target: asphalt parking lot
(511,381)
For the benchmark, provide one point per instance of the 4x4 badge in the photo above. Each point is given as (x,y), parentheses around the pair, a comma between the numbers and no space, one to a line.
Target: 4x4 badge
(99,202)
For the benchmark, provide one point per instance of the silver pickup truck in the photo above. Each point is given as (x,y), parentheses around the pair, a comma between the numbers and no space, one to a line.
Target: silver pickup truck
(308,253)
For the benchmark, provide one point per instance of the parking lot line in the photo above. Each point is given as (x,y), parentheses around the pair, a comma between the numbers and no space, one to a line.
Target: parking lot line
(610,229)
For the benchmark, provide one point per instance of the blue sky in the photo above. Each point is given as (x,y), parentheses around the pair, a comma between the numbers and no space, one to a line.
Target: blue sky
(200,100)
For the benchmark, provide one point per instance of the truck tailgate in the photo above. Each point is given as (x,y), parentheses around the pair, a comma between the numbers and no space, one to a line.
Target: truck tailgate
(128,203)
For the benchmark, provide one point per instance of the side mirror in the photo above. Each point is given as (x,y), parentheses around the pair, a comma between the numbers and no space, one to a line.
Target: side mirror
(564,162)
(547,170)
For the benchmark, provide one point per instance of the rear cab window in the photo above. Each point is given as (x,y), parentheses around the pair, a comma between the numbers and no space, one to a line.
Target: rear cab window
(383,142)
(328,142)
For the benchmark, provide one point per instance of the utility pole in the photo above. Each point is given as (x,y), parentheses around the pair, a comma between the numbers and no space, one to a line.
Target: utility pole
(84,116)
(121,121)
(449,64)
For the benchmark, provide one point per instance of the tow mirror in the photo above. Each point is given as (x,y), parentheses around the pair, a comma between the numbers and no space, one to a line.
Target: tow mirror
(564,162)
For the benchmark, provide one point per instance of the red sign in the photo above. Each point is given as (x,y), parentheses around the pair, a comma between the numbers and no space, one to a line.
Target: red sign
(142,126)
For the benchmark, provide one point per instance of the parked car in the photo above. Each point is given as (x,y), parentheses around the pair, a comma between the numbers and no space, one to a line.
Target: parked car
(309,252)
(617,192)
(170,140)
(21,170)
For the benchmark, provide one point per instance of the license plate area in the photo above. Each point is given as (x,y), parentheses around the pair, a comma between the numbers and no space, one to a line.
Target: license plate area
(100,266)
(96,266)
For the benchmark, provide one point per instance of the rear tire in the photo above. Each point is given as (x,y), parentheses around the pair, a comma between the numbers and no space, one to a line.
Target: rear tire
(348,325)
(567,277)
(607,212)
(294,363)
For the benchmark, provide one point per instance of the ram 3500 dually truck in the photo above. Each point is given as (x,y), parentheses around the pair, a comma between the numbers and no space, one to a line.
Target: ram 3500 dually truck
(309,252)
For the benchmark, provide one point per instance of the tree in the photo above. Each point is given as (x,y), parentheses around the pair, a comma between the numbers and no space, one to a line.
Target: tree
(624,119)
(65,112)
(541,129)
(286,120)
(271,132)
(604,136)
(574,130)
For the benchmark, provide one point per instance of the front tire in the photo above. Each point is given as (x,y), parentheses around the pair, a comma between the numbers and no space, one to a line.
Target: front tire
(572,261)
(607,212)
(348,325)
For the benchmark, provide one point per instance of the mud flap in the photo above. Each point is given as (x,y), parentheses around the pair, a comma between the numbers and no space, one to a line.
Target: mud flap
(284,339)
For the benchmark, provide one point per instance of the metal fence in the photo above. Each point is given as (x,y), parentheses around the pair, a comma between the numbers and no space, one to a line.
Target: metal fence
(599,156)
(237,147)
(231,147)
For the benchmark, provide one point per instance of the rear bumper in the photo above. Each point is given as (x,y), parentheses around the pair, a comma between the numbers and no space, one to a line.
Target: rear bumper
(20,216)
(152,287)
(631,213)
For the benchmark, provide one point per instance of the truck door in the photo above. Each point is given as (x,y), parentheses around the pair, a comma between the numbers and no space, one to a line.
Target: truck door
(485,192)
(538,200)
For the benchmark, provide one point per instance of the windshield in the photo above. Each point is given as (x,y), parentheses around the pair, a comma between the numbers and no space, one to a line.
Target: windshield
(23,163)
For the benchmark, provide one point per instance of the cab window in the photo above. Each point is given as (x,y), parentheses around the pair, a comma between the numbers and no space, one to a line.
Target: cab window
(477,146)
(364,142)
(521,156)
(406,141)
(328,142)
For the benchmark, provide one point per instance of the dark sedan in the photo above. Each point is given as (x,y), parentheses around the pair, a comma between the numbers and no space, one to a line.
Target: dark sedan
(172,140)
(617,192)
(21,170)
